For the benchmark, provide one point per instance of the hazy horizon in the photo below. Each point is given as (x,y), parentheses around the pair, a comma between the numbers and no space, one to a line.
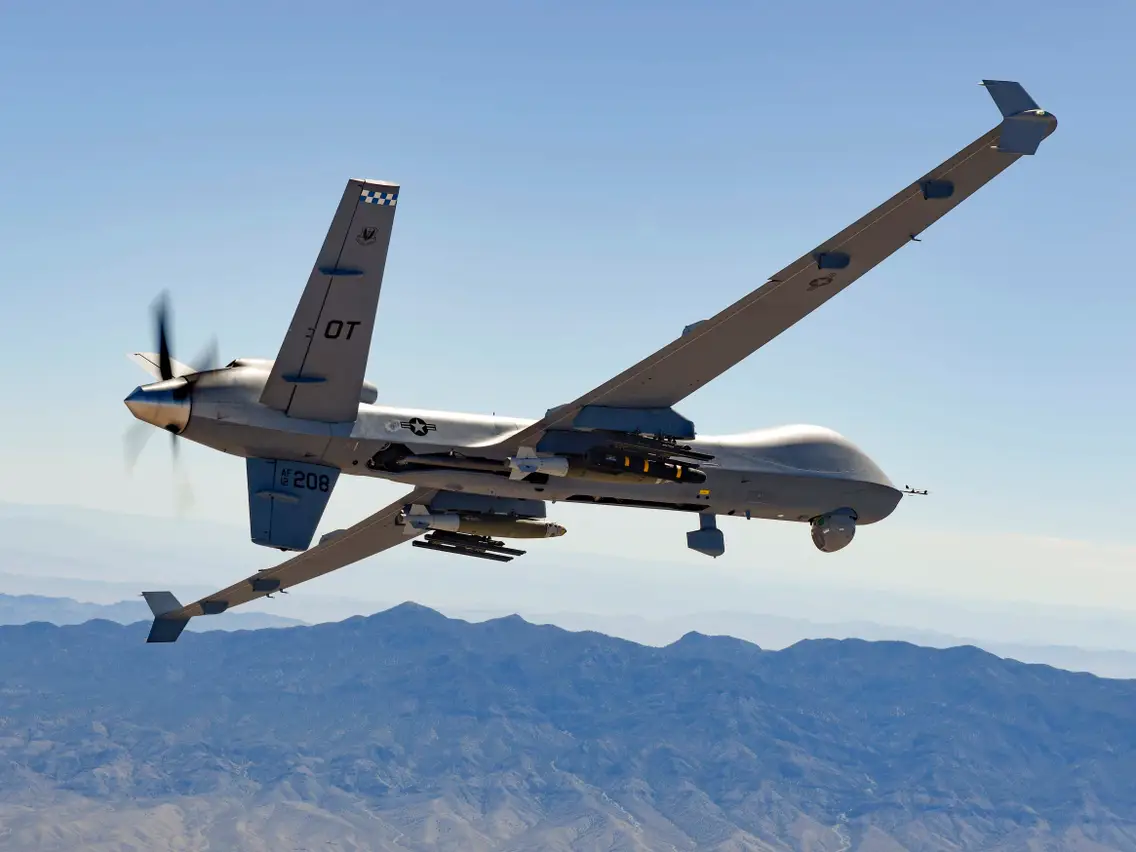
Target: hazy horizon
(106,557)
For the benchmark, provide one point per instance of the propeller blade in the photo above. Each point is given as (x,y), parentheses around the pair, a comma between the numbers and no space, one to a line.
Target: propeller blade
(184,499)
(183,494)
(134,441)
(137,435)
(206,359)
(161,320)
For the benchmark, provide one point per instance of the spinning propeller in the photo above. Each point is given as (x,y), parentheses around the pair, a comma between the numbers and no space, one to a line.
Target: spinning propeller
(152,404)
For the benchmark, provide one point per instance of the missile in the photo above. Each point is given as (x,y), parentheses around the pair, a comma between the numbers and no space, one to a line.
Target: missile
(600,464)
(627,463)
(604,464)
(420,519)
(501,527)
(526,462)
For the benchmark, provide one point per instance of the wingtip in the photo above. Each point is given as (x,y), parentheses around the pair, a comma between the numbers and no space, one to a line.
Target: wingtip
(164,628)
(1010,97)
(1024,124)
(161,603)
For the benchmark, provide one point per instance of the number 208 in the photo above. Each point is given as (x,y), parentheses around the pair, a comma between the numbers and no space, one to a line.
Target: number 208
(306,481)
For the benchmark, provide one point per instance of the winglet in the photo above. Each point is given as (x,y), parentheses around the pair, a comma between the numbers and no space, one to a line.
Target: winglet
(164,629)
(1024,124)
(1010,97)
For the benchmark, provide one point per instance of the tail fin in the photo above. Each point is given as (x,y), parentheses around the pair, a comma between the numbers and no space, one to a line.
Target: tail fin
(410,525)
(518,468)
(164,629)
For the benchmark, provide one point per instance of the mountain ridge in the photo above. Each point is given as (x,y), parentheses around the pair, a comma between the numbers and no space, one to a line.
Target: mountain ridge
(507,735)
(766,629)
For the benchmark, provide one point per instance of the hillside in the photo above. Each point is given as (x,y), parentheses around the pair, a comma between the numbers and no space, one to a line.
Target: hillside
(407,730)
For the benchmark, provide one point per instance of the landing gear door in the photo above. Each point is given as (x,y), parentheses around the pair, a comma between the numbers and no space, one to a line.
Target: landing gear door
(286,501)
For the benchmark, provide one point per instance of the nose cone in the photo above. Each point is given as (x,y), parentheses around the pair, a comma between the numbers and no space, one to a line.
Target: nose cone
(874,502)
(163,404)
(555,530)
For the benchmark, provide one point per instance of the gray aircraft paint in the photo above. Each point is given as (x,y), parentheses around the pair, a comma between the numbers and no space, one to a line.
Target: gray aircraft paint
(790,473)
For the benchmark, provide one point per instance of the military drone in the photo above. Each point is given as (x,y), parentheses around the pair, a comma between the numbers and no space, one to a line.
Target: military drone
(308,417)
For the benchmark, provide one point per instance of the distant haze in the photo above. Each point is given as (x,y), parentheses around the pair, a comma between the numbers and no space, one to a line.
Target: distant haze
(74,553)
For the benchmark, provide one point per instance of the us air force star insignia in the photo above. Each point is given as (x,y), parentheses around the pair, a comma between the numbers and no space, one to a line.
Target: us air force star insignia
(418,426)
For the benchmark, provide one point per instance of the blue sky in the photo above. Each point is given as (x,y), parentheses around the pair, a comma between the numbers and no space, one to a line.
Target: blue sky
(579,182)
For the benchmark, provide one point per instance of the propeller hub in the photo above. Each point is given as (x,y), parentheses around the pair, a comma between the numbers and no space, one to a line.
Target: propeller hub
(162,404)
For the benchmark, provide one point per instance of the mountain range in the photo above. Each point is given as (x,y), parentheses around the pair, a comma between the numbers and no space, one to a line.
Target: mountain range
(24,609)
(410,730)
(765,629)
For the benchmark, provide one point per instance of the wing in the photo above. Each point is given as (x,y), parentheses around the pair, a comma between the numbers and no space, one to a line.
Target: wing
(318,374)
(709,348)
(372,535)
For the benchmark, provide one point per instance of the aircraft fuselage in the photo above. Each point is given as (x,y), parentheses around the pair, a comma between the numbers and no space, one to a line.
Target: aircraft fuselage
(792,473)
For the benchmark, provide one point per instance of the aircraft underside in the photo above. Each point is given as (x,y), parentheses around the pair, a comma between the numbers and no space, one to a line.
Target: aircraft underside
(796,473)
